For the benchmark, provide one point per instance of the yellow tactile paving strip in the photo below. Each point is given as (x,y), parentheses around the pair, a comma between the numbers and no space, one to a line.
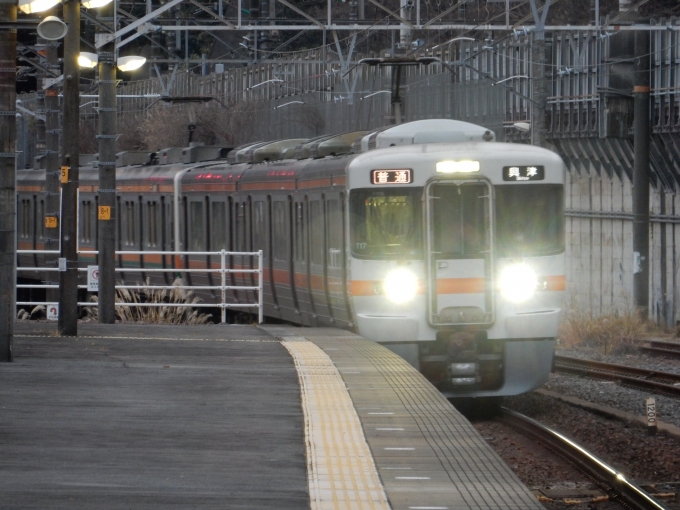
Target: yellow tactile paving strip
(340,467)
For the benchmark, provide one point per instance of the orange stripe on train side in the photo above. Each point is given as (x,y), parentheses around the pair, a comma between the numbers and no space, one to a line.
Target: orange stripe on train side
(556,283)
(460,286)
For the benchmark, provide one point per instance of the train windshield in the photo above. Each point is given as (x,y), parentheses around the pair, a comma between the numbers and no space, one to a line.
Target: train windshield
(529,220)
(386,223)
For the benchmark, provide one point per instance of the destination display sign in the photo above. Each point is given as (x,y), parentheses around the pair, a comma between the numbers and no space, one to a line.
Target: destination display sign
(523,173)
(392,176)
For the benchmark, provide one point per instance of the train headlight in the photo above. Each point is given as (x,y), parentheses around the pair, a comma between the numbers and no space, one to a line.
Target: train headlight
(517,282)
(400,285)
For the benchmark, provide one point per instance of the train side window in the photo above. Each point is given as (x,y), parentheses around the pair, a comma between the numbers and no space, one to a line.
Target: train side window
(280,220)
(130,223)
(170,226)
(25,218)
(259,237)
(299,232)
(239,226)
(152,223)
(317,244)
(86,221)
(218,228)
(40,220)
(334,221)
(197,241)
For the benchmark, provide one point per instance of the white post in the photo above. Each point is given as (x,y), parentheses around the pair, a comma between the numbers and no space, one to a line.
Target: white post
(223,272)
(260,287)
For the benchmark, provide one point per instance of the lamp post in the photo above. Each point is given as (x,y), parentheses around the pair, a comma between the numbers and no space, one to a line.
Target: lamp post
(8,40)
(70,155)
(106,209)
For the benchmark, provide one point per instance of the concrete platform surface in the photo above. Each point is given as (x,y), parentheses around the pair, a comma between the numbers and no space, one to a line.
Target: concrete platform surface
(109,420)
(234,417)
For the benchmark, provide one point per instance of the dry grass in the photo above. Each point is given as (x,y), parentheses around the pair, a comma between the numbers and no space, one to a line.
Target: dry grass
(612,333)
(155,314)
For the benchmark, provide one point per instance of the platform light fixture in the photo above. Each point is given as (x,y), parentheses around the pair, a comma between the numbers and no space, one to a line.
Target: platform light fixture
(125,64)
(32,6)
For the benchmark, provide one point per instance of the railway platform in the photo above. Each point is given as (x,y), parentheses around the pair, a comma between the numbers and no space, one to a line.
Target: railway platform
(234,417)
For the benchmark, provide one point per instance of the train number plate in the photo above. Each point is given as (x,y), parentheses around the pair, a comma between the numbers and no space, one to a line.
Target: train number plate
(523,173)
(392,176)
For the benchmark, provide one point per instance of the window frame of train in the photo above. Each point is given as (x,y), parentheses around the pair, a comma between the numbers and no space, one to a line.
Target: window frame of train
(152,213)
(197,231)
(219,224)
(517,215)
(86,221)
(362,226)
(129,222)
(25,217)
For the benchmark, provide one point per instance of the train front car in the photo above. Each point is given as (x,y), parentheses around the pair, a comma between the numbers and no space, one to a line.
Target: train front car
(457,258)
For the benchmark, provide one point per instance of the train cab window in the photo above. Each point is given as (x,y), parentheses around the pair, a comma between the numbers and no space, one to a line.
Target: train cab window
(334,219)
(280,221)
(529,220)
(218,226)
(386,223)
(461,220)
(197,219)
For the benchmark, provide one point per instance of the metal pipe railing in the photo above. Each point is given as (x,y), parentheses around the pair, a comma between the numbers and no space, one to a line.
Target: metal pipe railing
(223,271)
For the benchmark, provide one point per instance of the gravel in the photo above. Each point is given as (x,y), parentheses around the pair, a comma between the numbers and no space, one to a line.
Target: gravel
(624,445)
(614,395)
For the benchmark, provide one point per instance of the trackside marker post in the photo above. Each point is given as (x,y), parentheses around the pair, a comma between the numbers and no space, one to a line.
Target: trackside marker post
(650,406)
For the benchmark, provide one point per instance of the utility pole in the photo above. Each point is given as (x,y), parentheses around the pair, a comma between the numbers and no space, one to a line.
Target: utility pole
(68,275)
(52,132)
(106,211)
(8,61)
(538,79)
(641,174)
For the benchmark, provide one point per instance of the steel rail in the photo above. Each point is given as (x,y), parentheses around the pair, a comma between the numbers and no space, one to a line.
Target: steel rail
(629,376)
(614,481)
(662,348)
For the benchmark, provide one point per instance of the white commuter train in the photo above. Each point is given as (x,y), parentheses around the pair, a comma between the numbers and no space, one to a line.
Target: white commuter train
(428,237)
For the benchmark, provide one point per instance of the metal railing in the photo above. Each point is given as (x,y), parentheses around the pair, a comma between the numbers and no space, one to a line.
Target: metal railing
(223,271)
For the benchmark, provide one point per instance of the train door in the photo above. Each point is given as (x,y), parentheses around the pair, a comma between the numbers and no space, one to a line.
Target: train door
(459,242)
(301,260)
(260,241)
(335,259)
(317,257)
(197,238)
(239,233)
(281,255)
(217,238)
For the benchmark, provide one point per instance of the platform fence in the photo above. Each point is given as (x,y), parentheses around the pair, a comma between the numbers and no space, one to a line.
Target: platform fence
(223,271)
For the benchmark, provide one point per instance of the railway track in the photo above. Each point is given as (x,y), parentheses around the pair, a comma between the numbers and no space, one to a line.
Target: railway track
(661,348)
(659,382)
(611,481)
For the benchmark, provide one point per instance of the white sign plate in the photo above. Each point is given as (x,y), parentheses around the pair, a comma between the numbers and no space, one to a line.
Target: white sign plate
(92,278)
(53,311)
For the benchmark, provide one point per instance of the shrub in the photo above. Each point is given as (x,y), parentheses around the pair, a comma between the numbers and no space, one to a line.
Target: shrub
(155,314)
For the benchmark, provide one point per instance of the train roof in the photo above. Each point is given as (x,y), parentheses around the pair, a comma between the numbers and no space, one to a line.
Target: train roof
(354,142)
